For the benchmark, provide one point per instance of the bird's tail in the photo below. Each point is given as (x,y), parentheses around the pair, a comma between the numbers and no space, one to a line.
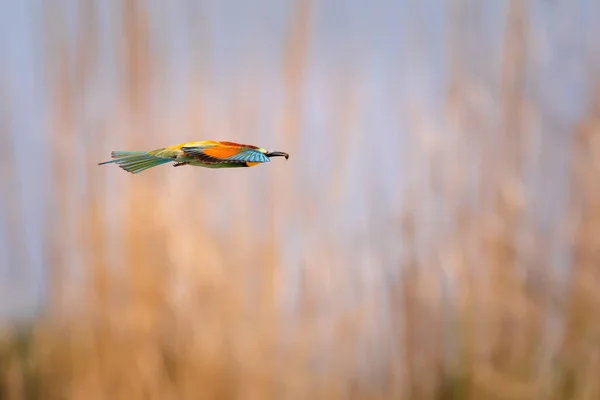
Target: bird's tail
(135,161)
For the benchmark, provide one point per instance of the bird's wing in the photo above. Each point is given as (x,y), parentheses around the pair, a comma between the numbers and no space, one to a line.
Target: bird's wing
(249,155)
(218,154)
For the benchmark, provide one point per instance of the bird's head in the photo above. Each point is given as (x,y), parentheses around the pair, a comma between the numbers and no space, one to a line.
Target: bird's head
(277,154)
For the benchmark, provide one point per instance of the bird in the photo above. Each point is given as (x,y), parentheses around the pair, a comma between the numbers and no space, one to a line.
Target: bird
(207,154)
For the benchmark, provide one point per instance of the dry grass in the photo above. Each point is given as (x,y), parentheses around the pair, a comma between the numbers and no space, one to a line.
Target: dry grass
(149,296)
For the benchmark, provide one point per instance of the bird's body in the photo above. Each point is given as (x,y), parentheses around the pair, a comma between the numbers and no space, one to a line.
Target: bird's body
(207,154)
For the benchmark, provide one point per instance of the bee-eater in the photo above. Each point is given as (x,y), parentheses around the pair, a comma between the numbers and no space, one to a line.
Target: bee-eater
(208,154)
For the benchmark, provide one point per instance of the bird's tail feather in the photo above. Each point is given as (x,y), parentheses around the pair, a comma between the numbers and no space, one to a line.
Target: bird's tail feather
(135,161)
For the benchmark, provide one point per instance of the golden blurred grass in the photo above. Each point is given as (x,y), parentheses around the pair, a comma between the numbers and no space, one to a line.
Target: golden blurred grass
(189,312)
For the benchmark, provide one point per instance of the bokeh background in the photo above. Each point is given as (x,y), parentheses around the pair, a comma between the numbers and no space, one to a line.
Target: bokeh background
(435,233)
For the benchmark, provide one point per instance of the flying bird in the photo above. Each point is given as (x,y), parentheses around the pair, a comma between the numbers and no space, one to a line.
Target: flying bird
(208,154)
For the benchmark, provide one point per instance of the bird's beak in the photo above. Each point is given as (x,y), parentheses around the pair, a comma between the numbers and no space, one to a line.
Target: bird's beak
(277,154)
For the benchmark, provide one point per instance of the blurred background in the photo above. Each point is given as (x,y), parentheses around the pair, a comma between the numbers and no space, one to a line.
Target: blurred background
(435,233)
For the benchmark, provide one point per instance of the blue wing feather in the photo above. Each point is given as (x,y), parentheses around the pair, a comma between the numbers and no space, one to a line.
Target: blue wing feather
(248,155)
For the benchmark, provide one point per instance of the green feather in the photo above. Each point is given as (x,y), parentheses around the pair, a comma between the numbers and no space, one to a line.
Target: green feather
(136,161)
